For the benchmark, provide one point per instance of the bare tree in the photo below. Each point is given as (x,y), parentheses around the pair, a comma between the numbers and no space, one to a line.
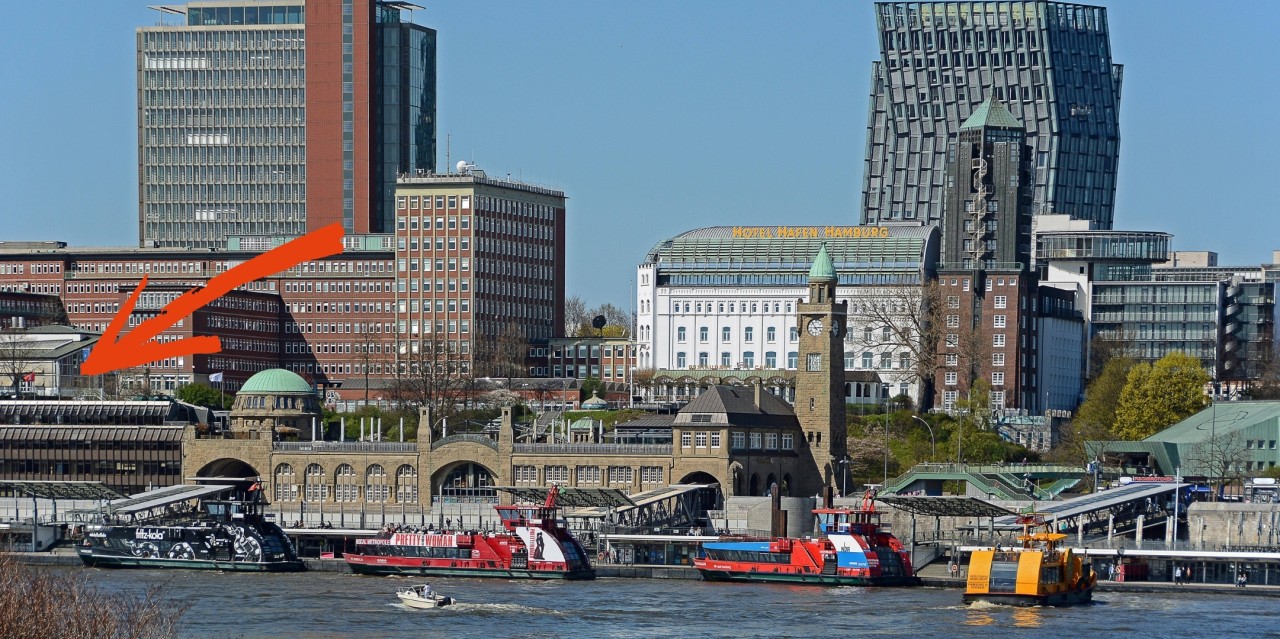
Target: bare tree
(17,358)
(901,319)
(370,355)
(575,315)
(1221,457)
(428,373)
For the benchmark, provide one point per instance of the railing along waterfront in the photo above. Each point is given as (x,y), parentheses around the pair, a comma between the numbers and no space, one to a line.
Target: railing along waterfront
(345,447)
(475,439)
(595,449)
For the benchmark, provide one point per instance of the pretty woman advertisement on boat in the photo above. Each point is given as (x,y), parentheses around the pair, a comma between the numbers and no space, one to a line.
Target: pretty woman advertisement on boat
(540,547)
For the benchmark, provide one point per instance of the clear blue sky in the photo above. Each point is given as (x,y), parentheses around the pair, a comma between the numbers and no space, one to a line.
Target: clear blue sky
(661,116)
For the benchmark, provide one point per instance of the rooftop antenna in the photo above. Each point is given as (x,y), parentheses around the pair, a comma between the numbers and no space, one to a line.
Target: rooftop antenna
(448,150)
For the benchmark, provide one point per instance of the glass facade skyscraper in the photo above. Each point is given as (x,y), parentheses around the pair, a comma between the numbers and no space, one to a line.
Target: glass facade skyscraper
(1048,62)
(272,119)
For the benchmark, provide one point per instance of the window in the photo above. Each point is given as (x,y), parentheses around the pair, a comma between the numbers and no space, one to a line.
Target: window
(953,321)
(997,379)
(650,474)
(715,439)
(680,334)
(525,474)
(813,362)
(904,361)
(999,321)
(771,441)
(726,359)
(952,340)
(953,301)
(793,359)
(680,360)
(885,333)
(755,441)
(949,399)
(952,378)
(997,359)
(704,359)
(749,359)
(953,359)
(588,475)
(997,340)
(748,334)
(886,360)
(686,440)
(788,441)
(557,474)
(1002,301)
(738,440)
(770,359)
(700,439)
(868,360)
(770,334)
(794,334)
(726,335)
(620,475)
(704,334)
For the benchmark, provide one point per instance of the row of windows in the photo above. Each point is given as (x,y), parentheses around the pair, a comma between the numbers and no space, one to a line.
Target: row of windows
(617,475)
(726,334)
(952,378)
(681,306)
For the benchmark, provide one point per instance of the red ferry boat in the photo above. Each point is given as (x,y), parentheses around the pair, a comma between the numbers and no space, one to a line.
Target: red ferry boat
(851,551)
(535,545)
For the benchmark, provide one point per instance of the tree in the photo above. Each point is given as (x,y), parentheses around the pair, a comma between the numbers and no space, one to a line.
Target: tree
(17,358)
(575,315)
(504,357)
(428,374)
(591,386)
(618,322)
(1097,415)
(1159,395)
(202,394)
(1221,457)
(914,318)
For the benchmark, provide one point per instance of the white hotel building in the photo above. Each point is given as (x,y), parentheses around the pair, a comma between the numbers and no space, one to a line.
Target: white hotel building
(723,298)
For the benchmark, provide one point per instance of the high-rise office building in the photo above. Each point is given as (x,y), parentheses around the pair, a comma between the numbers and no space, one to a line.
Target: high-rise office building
(1050,62)
(275,118)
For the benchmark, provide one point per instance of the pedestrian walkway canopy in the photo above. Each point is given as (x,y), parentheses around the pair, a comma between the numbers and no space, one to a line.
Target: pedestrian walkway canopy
(570,497)
(945,506)
(86,490)
(1123,503)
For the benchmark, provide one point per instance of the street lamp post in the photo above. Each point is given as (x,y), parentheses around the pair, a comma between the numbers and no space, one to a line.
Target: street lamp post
(886,446)
(844,476)
(933,444)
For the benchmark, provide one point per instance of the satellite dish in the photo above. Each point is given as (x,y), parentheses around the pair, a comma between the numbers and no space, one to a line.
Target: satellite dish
(462,166)
(598,322)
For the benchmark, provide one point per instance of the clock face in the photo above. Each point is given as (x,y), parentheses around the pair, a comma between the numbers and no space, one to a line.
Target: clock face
(815,326)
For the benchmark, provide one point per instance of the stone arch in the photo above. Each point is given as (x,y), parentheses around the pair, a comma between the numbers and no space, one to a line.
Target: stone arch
(769,482)
(753,487)
(708,498)
(314,487)
(464,480)
(228,467)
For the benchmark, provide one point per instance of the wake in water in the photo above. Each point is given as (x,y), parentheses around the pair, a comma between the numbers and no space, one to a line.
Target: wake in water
(484,609)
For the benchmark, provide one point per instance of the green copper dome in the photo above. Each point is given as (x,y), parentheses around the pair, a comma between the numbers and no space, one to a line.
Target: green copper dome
(823,270)
(274,381)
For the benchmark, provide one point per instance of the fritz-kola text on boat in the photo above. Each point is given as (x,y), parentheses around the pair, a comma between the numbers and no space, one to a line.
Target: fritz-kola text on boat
(1040,573)
(212,527)
(535,544)
(851,550)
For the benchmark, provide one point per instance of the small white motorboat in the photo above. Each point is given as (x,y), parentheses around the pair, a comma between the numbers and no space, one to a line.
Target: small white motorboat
(423,597)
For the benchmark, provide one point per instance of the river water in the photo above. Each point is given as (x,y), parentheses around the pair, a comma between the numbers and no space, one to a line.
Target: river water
(341,605)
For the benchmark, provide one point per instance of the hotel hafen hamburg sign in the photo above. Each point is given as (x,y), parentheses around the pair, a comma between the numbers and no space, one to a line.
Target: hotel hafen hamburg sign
(807,232)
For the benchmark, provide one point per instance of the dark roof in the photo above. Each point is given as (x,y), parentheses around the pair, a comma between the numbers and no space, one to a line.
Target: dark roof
(61,489)
(92,433)
(738,403)
(862,376)
(90,412)
(647,422)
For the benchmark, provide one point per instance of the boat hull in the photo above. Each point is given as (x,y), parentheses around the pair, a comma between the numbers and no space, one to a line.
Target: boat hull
(426,604)
(1068,598)
(807,579)
(390,569)
(116,561)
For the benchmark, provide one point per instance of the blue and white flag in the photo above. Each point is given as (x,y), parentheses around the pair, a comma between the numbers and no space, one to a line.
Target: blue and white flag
(216,377)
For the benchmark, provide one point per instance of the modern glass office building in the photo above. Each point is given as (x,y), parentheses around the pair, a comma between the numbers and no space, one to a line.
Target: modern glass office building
(275,118)
(1049,62)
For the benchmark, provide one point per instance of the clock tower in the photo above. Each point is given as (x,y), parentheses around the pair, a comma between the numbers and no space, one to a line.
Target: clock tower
(820,400)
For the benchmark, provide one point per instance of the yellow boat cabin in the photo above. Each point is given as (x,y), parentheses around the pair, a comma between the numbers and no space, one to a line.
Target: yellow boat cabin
(1040,573)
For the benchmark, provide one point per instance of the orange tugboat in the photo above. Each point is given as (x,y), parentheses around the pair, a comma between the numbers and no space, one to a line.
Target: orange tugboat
(1040,573)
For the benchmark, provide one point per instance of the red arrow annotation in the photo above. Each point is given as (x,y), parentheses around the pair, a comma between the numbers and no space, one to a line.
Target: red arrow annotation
(115,352)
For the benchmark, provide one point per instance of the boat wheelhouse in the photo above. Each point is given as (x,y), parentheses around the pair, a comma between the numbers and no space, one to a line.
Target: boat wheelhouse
(1040,573)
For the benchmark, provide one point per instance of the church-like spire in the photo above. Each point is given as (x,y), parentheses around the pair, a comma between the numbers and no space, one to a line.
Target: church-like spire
(823,269)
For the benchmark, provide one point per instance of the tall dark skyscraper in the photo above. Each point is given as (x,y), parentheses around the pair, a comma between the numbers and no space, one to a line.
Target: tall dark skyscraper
(274,118)
(1049,62)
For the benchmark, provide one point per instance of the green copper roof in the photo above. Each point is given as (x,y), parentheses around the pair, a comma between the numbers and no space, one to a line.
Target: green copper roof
(991,113)
(823,270)
(276,380)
